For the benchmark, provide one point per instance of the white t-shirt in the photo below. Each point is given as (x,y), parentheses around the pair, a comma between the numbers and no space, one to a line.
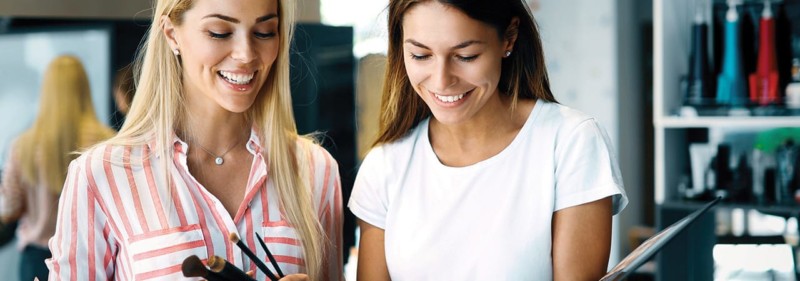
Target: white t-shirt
(490,220)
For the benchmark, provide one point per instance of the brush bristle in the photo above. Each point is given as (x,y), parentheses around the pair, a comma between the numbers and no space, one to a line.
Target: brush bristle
(193,267)
(216,264)
(233,237)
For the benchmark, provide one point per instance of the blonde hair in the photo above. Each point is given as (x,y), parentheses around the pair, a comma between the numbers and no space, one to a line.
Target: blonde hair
(65,123)
(157,111)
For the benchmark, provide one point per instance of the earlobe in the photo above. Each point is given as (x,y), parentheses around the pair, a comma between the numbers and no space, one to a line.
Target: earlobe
(169,32)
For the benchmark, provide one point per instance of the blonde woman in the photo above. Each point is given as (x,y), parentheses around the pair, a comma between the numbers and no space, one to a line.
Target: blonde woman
(38,160)
(209,149)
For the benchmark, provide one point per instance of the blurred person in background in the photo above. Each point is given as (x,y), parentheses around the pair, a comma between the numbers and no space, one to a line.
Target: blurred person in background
(38,159)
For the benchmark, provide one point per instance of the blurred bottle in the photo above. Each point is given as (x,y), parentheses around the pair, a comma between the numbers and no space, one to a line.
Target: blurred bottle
(764,82)
(731,82)
(700,91)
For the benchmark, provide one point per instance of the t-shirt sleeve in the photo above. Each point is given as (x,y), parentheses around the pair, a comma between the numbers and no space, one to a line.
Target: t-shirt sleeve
(368,201)
(587,169)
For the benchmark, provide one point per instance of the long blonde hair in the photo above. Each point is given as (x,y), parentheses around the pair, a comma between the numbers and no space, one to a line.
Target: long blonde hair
(157,112)
(65,123)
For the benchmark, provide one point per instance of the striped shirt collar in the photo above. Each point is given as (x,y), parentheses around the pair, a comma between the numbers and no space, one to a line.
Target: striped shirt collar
(253,143)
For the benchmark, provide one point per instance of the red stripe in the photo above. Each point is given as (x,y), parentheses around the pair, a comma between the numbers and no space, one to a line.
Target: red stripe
(73,267)
(91,227)
(107,255)
(218,220)
(264,202)
(276,223)
(158,272)
(282,240)
(154,195)
(324,196)
(289,259)
(160,232)
(123,214)
(173,189)
(248,236)
(169,250)
(201,217)
(252,191)
(126,160)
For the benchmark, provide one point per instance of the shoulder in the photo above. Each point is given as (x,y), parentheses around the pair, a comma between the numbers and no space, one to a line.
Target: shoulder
(398,149)
(562,120)
(100,156)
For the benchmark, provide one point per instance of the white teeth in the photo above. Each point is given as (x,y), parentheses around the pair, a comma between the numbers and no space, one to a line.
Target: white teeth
(449,98)
(235,78)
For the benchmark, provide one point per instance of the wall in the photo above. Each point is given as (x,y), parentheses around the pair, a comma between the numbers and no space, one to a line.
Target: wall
(591,50)
(308,10)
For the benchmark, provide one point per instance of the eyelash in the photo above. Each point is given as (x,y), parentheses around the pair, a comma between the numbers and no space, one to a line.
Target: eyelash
(226,35)
(425,57)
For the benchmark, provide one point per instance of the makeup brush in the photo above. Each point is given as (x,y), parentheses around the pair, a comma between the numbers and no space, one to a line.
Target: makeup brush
(193,267)
(226,270)
(260,264)
(269,255)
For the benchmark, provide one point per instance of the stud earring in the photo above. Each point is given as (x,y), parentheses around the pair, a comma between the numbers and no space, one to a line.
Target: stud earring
(176,52)
(508,53)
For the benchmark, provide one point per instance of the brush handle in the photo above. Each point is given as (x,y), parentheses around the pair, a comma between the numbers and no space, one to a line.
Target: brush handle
(230,272)
(260,264)
(269,255)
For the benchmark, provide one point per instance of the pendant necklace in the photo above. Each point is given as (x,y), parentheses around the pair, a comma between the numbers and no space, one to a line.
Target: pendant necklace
(217,158)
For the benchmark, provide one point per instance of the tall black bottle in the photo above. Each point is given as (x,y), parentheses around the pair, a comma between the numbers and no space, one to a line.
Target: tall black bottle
(700,90)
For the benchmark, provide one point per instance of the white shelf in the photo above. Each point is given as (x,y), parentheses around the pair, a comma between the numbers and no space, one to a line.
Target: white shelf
(721,122)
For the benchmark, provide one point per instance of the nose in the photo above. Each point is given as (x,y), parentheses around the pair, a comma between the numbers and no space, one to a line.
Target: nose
(442,76)
(243,50)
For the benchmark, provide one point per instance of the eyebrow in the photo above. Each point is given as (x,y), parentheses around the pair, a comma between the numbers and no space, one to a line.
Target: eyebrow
(456,47)
(234,20)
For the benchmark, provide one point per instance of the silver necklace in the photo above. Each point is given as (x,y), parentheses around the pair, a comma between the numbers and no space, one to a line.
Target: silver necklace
(217,158)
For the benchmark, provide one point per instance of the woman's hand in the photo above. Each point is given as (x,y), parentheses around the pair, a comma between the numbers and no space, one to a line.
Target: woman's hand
(295,277)
(290,277)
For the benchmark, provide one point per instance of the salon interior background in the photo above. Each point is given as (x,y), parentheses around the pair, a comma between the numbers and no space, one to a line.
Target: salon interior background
(598,54)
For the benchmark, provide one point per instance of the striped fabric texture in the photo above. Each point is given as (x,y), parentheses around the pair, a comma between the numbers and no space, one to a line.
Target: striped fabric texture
(117,219)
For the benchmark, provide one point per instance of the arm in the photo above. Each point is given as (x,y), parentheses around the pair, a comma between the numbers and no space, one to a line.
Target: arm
(371,254)
(12,193)
(83,245)
(581,241)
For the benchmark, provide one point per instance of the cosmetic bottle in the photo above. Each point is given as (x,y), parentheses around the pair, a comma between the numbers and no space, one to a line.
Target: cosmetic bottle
(699,91)
(731,83)
(764,82)
(793,89)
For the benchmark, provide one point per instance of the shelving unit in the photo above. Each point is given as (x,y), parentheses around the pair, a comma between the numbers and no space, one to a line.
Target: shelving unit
(689,256)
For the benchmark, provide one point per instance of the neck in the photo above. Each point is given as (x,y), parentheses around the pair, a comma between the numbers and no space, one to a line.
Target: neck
(482,128)
(215,131)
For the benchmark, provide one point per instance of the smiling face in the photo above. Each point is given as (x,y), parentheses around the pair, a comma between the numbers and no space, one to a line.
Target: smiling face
(453,61)
(227,49)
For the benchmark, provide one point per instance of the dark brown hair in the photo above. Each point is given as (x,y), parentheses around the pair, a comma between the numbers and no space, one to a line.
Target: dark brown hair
(124,83)
(523,74)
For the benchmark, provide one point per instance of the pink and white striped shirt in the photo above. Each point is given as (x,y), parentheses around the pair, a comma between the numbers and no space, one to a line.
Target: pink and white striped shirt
(117,220)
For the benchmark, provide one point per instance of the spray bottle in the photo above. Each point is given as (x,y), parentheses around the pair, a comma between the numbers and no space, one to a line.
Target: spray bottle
(700,92)
(764,82)
(731,88)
